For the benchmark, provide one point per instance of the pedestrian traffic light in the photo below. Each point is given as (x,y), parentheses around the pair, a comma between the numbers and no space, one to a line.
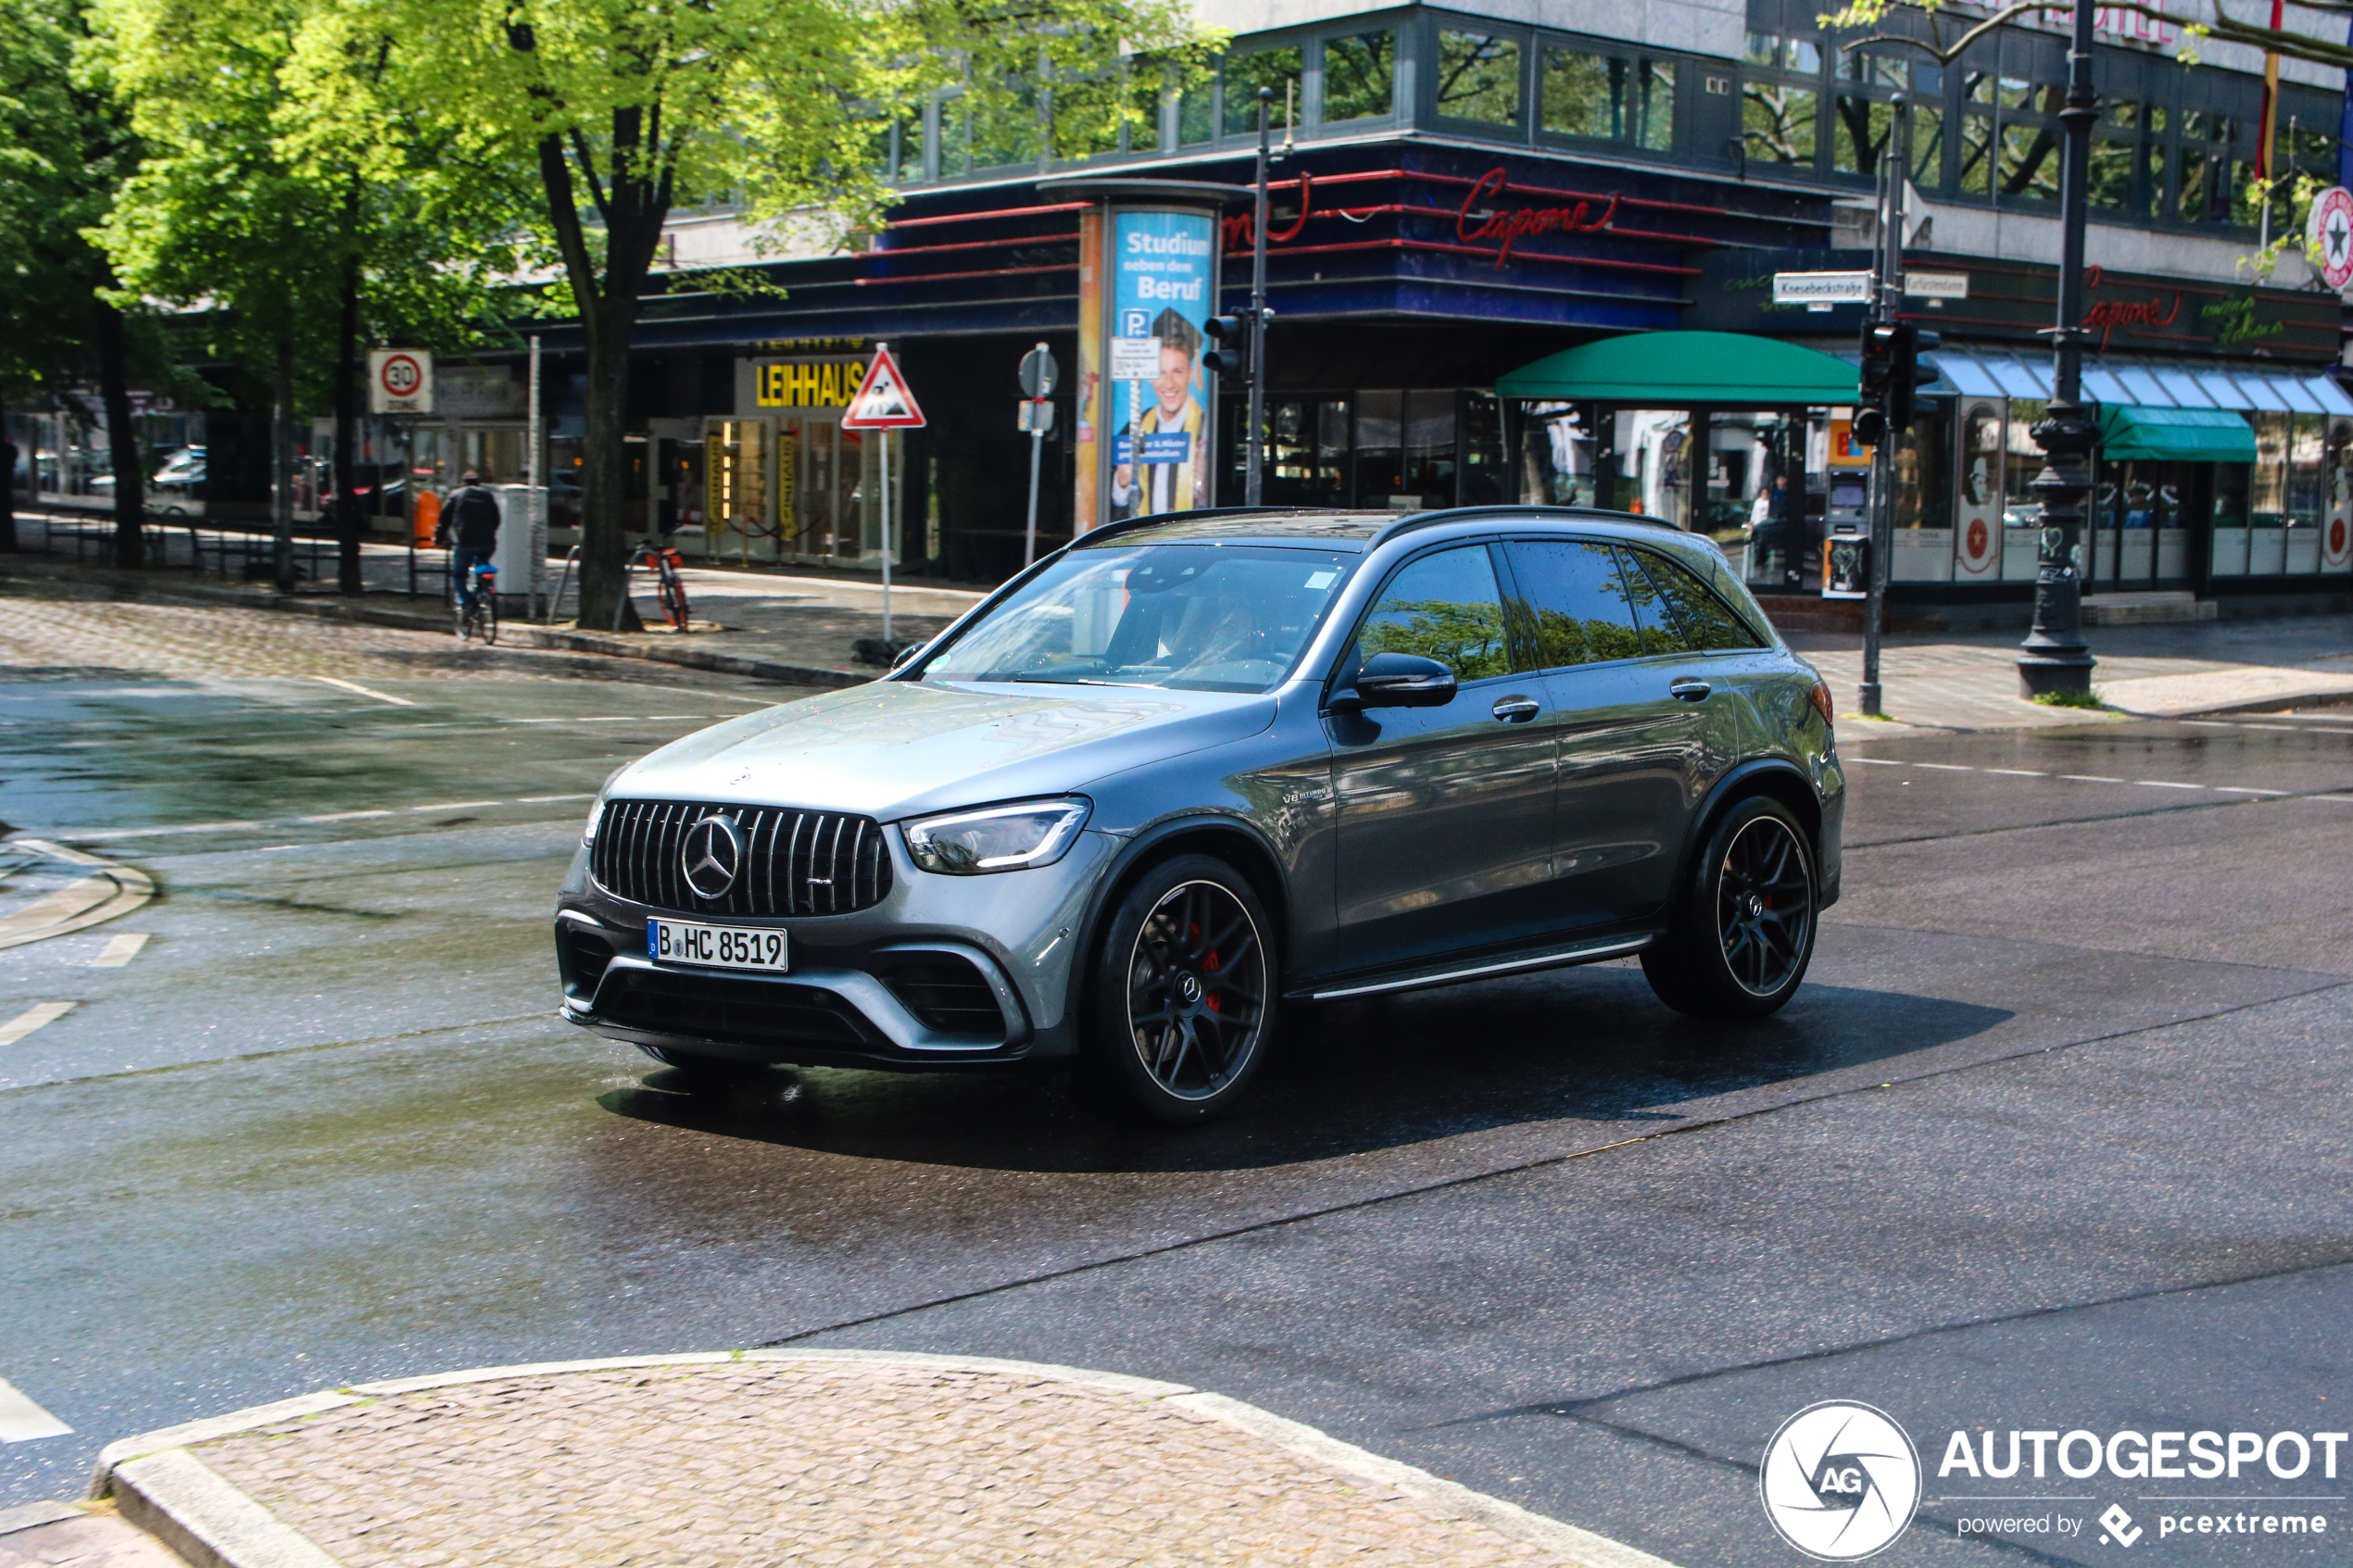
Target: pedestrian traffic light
(1882,347)
(1231,357)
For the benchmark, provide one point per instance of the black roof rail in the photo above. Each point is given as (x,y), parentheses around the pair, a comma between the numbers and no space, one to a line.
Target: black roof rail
(1412,520)
(1154,519)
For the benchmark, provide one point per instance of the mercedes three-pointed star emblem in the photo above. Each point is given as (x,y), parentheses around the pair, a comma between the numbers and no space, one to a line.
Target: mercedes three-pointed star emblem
(711,855)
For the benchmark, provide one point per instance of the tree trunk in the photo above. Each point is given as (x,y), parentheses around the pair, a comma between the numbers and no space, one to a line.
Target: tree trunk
(123,436)
(9,481)
(281,508)
(347,578)
(604,537)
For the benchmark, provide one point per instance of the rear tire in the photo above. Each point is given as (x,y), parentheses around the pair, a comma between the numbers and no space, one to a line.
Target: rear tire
(489,619)
(1181,1007)
(1744,930)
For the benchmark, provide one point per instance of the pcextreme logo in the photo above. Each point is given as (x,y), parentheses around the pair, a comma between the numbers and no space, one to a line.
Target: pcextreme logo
(1840,1481)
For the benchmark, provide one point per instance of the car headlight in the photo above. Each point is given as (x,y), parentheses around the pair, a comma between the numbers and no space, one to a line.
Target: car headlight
(1001,838)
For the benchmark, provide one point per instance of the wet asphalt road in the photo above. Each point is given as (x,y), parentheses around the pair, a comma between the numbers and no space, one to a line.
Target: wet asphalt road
(2055,1136)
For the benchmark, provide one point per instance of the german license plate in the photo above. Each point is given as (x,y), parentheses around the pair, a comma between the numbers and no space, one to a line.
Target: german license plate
(717,946)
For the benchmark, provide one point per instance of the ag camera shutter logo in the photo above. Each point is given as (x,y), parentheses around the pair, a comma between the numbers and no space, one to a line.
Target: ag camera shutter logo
(1840,1481)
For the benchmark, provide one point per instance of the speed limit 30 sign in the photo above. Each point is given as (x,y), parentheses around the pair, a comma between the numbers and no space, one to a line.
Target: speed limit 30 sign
(400,380)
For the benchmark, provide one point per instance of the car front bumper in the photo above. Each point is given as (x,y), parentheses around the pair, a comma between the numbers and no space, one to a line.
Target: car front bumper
(944,971)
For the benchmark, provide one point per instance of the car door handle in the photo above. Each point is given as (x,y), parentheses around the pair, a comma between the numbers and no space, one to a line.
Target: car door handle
(1690,688)
(1517,710)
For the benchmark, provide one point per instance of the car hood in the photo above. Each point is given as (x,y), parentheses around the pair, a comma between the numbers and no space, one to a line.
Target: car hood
(897,748)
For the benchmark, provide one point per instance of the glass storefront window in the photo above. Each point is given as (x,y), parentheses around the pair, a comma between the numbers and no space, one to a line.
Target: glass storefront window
(1923,539)
(1360,72)
(2022,531)
(1556,453)
(1380,451)
(1479,77)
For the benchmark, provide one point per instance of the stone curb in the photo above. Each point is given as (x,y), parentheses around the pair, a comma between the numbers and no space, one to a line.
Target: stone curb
(169,1492)
(517,634)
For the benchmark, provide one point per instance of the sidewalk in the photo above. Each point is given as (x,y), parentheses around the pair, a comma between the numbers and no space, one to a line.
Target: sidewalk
(1968,680)
(798,629)
(769,1457)
(794,628)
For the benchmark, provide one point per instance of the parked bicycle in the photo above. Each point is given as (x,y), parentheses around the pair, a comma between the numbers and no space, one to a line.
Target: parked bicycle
(669,587)
(475,599)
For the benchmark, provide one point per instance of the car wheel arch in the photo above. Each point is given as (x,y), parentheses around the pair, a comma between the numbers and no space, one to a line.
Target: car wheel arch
(1227,838)
(1775,778)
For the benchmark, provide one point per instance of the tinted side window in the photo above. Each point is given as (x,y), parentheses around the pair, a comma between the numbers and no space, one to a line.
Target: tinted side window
(1443,607)
(1680,614)
(1577,609)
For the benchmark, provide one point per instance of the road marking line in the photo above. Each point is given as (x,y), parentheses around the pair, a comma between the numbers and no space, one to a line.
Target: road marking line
(2242,789)
(1878,761)
(21,1421)
(2018,772)
(73,898)
(458,806)
(342,816)
(354,687)
(2090,778)
(2208,724)
(2161,784)
(120,951)
(27,1021)
(94,834)
(1946,767)
(2287,729)
(2343,799)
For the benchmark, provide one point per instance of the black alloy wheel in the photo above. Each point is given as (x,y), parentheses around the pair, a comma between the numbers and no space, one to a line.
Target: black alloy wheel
(1183,1002)
(1764,906)
(1744,932)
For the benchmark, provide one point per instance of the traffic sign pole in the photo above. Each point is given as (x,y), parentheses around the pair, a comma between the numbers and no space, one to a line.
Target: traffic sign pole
(1885,295)
(1037,371)
(882,404)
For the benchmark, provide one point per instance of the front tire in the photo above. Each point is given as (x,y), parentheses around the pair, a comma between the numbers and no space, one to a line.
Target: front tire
(1744,932)
(1181,1010)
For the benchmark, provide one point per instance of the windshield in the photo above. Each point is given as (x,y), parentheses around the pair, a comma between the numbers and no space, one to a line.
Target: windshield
(1211,618)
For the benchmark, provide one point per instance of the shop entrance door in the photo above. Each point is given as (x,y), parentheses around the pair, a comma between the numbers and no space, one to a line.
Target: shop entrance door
(2141,524)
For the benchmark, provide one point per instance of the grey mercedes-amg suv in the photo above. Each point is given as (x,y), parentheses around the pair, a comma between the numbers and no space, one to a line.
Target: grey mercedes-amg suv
(1192,765)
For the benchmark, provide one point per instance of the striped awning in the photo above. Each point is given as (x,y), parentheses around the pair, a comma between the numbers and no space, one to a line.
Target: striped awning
(1988,372)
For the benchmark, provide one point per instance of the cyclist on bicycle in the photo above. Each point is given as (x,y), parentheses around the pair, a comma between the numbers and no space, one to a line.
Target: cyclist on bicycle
(469,517)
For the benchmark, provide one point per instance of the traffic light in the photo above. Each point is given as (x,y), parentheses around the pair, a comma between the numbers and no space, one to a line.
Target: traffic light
(1231,357)
(1882,343)
(1910,374)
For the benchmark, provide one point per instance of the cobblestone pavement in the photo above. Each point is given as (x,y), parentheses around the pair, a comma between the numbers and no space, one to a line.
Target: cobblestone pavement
(820,1461)
(59,631)
(95,1540)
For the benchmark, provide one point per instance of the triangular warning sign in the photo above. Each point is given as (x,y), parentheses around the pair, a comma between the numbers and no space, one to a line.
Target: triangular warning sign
(882,400)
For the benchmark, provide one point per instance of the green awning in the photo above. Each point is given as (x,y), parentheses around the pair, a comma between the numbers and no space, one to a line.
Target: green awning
(2130,432)
(1678,370)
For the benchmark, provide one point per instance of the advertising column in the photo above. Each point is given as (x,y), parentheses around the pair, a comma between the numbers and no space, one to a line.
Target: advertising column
(1164,285)
(1148,255)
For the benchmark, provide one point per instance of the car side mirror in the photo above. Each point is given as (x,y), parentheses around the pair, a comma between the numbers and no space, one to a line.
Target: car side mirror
(908,655)
(1400,680)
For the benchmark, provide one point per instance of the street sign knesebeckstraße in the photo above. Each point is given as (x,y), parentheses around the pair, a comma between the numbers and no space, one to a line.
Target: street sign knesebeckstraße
(882,400)
(1822,288)
(400,380)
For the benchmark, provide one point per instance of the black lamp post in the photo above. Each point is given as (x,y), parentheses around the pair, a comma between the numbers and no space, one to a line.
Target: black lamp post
(2054,657)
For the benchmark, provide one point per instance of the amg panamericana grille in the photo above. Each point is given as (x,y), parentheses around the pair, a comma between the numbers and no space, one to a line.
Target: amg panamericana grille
(794,862)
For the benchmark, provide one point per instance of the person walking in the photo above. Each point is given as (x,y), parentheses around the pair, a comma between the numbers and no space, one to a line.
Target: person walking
(470,520)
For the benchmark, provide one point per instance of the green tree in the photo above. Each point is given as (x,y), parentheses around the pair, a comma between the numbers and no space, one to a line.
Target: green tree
(66,147)
(295,211)
(625,110)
